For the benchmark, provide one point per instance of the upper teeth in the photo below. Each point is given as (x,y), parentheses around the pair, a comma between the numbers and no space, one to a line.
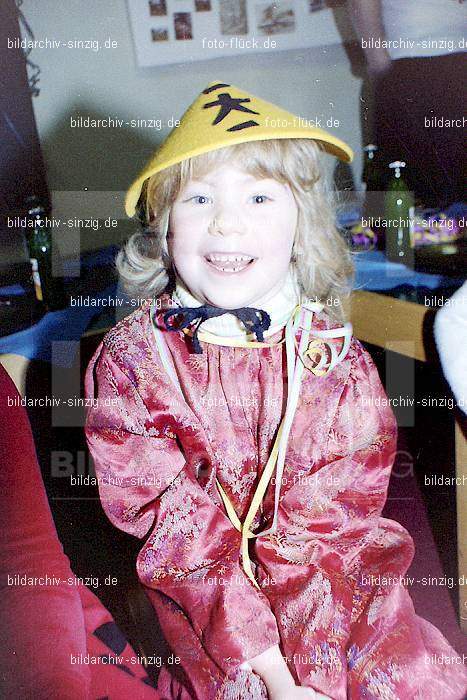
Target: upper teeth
(217,257)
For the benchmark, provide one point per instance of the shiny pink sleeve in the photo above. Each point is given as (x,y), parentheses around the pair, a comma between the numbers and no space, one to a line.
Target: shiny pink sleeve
(135,460)
(192,554)
(341,498)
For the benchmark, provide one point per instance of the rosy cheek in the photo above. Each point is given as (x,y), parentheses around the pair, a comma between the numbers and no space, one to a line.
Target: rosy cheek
(180,221)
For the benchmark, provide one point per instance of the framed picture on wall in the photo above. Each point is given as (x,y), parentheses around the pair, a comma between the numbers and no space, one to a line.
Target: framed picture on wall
(177,31)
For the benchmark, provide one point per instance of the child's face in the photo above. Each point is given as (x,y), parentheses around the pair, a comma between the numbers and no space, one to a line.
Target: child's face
(255,220)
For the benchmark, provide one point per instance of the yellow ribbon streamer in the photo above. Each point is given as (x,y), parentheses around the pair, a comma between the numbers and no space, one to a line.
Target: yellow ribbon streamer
(315,347)
(231,342)
(252,510)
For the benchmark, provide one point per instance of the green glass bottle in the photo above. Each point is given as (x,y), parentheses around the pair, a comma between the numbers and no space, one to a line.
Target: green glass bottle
(372,176)
(49,288)
(370,168)
(399,217)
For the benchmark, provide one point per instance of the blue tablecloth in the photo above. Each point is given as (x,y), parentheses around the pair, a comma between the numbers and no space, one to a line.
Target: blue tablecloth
(56,336)
(374,273)
(44,340)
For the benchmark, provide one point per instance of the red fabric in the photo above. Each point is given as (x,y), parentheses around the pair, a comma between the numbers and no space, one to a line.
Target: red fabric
(47,623)
(157,457)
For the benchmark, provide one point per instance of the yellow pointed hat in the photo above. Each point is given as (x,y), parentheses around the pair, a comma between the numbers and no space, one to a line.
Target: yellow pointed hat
(224,115)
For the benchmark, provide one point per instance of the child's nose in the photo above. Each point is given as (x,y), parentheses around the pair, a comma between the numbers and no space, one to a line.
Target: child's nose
(227,223)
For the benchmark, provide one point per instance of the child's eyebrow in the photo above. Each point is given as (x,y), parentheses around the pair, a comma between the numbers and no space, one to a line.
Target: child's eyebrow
(249,179)
(197,181)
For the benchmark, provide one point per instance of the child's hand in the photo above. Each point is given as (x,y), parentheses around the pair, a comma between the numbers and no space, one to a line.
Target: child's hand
(271,666)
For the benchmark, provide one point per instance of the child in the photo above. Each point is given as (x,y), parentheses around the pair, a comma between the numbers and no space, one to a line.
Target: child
(252,452)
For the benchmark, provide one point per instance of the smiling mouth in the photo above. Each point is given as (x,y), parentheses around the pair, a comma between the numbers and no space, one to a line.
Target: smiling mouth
(229,262)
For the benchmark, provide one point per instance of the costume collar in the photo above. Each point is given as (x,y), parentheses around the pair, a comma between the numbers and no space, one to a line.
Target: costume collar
(280,306)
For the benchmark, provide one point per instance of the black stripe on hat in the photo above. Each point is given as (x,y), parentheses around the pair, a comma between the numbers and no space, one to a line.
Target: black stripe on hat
(214,87)
(243,125)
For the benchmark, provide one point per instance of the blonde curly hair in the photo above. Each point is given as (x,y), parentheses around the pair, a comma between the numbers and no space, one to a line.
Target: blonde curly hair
(320,257)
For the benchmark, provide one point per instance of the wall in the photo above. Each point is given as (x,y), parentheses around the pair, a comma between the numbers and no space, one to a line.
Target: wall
(82,82)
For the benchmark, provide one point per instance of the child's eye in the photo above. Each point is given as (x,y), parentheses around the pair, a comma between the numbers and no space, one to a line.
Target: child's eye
(260,198)
(199,199)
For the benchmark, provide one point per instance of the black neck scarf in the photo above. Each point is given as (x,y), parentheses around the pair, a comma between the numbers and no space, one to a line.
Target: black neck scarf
(254,320)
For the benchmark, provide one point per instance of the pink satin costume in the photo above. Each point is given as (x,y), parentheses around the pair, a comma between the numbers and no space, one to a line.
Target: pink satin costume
(158,455)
